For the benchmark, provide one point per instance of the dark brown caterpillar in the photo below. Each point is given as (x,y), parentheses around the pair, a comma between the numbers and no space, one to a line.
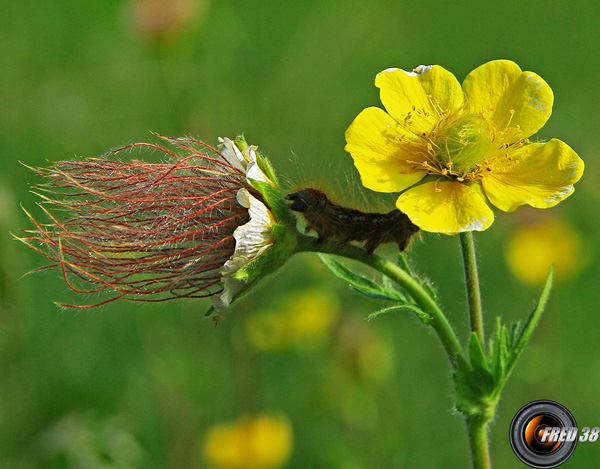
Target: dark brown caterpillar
(337,223)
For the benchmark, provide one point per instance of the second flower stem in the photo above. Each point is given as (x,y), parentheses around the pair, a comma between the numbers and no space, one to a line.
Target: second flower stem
(472,282)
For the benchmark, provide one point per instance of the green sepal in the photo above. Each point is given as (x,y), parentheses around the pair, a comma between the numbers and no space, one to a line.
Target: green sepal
(359,282)
(268,262)
(422,315)
(265,165)
(284,241)
(273,258)
(240,142)
(276,202)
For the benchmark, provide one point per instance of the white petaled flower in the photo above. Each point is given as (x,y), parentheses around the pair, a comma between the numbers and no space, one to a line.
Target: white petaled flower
(251,241)
(256,236)
(244,160)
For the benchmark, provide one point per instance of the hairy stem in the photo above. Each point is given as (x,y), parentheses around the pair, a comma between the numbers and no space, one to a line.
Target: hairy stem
(472,282)
(426,303)
(480,454)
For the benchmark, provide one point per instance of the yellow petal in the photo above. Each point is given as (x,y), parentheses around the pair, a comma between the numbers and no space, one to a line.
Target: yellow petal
(374,141)
(424,93)
(446,207)
(499,87)
(540,174)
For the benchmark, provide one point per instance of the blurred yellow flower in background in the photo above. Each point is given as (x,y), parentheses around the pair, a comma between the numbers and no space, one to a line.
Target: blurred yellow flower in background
(251,442)
(454,151)
(532,249)
(302,319)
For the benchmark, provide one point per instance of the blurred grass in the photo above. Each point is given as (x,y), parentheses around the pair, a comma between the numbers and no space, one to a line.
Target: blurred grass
(81,78)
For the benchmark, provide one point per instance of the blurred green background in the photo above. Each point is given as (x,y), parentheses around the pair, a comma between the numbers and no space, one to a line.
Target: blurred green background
(136,385)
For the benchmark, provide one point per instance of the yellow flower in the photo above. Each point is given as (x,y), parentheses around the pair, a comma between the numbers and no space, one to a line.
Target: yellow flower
(532,249)
(453,151)
(251,442)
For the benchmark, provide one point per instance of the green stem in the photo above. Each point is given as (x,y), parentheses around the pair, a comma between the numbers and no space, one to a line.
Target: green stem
(426,303)
(472,281)
(476,425)
(480,454)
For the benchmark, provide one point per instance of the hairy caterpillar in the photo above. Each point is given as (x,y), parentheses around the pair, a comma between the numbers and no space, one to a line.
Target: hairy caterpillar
(337,223)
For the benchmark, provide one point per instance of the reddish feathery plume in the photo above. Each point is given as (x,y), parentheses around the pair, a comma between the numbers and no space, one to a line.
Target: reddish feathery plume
(141,231)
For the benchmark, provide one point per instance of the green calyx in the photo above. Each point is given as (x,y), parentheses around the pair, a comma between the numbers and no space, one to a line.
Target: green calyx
(282,233)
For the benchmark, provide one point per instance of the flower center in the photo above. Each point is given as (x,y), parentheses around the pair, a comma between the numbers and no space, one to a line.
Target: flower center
(463,146)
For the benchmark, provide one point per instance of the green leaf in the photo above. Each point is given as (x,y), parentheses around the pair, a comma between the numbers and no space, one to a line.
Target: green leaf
(377,296)
(359,282)
(423,316)
(476,354)
(475,384)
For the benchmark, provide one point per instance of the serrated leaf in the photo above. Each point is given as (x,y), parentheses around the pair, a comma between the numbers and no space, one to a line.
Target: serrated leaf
(423,316)
(359,282)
